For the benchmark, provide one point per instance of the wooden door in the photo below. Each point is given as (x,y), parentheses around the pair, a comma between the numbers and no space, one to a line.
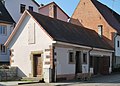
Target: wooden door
(105,63)
(78,62)
(96,65)
(38,65)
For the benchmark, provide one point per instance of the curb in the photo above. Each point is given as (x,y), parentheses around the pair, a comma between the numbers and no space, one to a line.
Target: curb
(22,83)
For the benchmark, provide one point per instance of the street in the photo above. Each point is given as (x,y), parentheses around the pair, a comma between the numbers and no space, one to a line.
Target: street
(107,80)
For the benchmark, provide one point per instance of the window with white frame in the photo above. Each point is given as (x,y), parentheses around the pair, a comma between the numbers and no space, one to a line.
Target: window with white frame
(100,30)
(2,49)
(3,30)
(71,57)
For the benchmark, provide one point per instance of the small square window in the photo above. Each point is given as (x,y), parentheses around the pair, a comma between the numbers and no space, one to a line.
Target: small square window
(71,57)
(30,8)
(100,30)
(2,49)
(84,58)
(22,8)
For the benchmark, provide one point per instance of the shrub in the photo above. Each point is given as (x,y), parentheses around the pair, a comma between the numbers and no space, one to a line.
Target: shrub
(4,67)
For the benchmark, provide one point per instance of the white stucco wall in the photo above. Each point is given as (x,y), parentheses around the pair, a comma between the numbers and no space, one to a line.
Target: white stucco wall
(62,55)
(3,38)
(60,14)
(22,49)
(117,49)
(63,66)
(13,7)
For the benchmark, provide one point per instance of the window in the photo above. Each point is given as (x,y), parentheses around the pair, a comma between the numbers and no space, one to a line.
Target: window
(71,57)
(3,30)
(30,8)
(85,58)
(22,8)
(100,30)
(118,44)
(2,49)
(55,11)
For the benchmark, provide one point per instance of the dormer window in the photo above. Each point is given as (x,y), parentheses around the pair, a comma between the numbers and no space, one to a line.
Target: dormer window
(22,8)
(100,30)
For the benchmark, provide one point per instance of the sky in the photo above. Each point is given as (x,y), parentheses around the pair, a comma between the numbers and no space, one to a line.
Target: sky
(69,5)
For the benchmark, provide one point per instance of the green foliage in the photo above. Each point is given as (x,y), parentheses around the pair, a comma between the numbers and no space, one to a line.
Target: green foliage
(4,67)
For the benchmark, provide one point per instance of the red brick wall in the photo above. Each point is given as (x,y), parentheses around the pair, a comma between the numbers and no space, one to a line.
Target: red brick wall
(90,17)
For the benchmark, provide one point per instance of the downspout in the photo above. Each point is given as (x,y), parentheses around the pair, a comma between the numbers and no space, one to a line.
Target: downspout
(89,56)
(53,64)
(114,50)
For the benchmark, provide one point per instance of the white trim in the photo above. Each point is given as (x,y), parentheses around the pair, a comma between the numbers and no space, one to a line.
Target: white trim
(15,28)
(103,50)
(75,45)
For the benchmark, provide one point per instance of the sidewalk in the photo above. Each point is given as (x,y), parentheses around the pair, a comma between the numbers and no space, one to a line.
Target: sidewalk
(107,80)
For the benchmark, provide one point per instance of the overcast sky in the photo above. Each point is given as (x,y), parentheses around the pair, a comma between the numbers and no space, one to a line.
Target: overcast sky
(69,5)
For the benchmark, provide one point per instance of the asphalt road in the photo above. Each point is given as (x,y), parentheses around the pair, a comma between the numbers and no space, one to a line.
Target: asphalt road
(108,80)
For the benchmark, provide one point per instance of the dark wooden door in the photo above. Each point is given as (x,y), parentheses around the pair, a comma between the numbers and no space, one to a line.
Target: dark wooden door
(96,65)
(101,65)
(38,65)
(78,62)
(105,63)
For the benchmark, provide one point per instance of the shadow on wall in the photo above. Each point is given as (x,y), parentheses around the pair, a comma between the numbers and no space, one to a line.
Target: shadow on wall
(20,73)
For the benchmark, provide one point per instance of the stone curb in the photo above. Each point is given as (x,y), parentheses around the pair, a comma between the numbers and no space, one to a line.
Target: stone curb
(23,83)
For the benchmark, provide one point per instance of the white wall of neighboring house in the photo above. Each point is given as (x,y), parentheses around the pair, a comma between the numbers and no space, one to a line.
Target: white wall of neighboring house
(4,57)
(22,48)
(60,14)
(13,7)
(117,49)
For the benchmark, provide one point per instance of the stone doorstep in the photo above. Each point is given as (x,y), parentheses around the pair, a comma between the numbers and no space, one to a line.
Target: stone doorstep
(31,79)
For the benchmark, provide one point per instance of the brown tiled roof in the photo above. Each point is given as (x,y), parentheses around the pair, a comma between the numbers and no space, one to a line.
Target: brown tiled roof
(4,15)
(70,33)
(110,16)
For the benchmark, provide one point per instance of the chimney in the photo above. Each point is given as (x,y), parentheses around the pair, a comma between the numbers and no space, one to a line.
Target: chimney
(53,11)
(41,5)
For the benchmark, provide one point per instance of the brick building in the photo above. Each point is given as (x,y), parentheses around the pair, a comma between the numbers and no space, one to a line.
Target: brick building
(97,16)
